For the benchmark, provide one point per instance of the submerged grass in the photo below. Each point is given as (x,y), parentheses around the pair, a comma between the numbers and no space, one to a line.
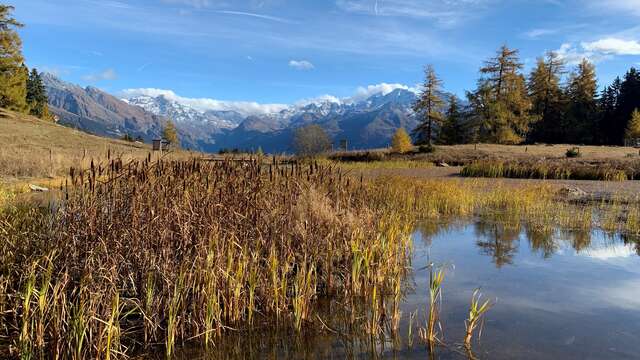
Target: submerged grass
(477,310)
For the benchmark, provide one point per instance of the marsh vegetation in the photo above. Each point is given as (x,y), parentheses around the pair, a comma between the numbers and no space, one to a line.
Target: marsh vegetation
(140,255)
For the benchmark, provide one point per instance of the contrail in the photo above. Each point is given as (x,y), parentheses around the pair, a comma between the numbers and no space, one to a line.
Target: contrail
(259,16)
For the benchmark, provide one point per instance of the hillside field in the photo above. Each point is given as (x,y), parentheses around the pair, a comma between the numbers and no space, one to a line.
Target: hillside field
(33,149)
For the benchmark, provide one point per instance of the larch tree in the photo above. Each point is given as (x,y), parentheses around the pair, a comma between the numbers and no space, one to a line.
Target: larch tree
(547,100)
(170,133)
(633,128)
(500,103)
(13,73)
(428,107)
(580,122)
(401,142)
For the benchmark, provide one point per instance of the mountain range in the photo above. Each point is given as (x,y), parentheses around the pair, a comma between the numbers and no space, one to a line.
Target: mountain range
(368,123)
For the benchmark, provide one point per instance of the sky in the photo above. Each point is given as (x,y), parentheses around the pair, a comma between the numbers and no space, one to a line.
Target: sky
(258,55)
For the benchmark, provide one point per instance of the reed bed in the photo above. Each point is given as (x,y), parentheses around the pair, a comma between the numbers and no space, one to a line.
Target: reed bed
(382,164)
(560,170)
(163,252)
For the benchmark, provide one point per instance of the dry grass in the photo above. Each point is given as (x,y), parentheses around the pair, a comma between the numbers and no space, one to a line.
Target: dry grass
(468,153)
(161,252)
(33,148)
(553,169)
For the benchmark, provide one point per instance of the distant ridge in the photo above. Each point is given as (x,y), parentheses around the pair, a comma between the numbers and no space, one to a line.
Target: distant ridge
(365,123)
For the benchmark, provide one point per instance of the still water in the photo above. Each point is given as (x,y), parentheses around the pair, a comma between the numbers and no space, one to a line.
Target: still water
(559,295)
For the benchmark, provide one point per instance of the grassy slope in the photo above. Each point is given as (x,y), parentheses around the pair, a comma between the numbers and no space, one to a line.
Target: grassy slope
(35,149)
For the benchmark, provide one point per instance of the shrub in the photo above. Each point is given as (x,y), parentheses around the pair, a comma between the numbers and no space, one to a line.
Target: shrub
(358,156)
(574,152)
(426,149)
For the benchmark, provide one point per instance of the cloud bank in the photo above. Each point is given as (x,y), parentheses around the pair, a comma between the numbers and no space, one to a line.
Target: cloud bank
(205,104)
(599,50)
(253,108)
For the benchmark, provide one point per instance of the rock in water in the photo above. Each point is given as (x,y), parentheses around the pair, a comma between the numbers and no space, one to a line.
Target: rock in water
(573,191)
(36,188)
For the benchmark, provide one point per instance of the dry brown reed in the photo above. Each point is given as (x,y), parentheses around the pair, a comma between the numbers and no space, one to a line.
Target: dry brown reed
(160,252)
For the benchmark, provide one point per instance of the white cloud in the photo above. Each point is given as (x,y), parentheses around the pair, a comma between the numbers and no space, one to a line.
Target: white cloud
(319,99)
(253,108)
(598,50)
(571,54)
(108,74)
(363,93)
(301,65)
(193,3)
(537,33)
(613,46)
(205,104)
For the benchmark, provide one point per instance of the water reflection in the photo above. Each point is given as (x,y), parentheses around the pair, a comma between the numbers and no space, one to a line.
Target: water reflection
(560,295)
(498,240)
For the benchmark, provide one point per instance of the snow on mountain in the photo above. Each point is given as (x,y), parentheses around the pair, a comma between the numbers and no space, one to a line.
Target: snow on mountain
(183,114)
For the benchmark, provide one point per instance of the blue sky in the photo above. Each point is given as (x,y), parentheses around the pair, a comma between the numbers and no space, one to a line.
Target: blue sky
(218,52)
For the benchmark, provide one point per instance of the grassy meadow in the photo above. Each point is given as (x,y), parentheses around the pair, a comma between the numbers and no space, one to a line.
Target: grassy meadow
(34,149)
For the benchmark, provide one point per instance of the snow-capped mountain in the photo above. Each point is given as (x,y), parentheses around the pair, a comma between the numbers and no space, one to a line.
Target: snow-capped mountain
(365,122)
(368,123)
(183,114)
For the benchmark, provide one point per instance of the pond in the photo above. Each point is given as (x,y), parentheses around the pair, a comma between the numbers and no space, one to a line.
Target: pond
(559,295)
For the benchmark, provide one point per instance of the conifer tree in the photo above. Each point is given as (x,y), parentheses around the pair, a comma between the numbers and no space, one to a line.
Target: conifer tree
(608,125)
(452,130)
(628,100)
(37,96)
(401,142)
(547,99)
(428,107)
(580,122)
(633,128)
(170,134)
(500,103)
(13,73)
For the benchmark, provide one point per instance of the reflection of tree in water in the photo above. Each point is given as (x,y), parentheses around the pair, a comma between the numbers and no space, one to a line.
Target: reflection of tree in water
(500,241)
(430,229)
(579,239)
(541,240)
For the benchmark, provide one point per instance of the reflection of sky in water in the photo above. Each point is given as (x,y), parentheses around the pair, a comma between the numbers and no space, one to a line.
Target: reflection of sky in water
(559,295)
(553,301)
